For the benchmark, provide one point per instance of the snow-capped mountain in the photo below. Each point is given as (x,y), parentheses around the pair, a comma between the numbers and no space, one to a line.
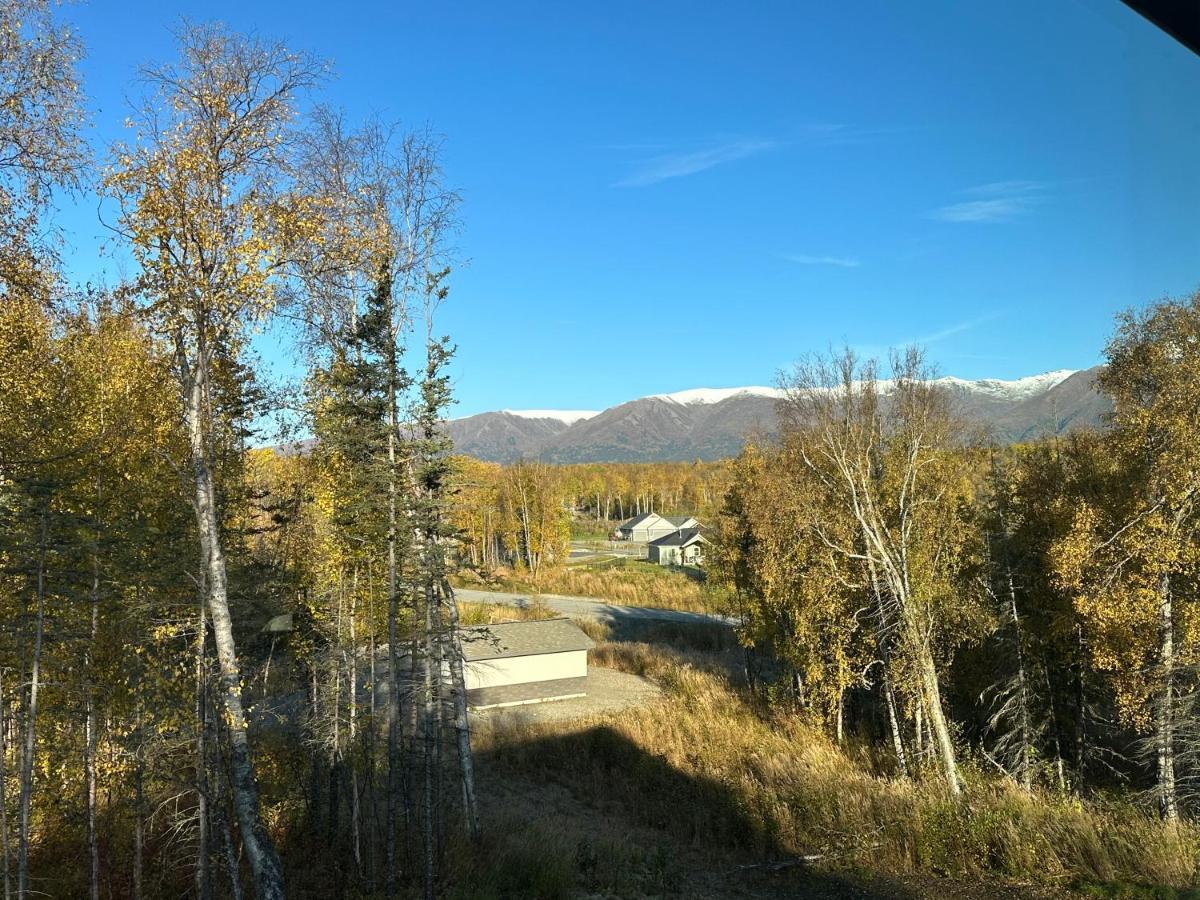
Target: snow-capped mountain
(566,416)
(715,395)
(712,423)
(1019,389)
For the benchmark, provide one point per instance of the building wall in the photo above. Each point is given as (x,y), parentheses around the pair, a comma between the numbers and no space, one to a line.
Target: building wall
(654,532)
(529,692)
(672,556)
(665,556)
(488,673)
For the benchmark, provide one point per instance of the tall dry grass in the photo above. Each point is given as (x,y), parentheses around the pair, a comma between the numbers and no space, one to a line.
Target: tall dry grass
(706,767)
(630,584)
(495,613)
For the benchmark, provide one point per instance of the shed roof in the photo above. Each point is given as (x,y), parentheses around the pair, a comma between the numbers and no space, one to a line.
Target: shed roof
(682,538)
(523,639)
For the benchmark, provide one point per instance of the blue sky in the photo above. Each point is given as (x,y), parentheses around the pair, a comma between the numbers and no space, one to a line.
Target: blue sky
(660,196)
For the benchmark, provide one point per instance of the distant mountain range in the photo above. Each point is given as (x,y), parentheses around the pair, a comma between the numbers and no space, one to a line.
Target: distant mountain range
(713,423)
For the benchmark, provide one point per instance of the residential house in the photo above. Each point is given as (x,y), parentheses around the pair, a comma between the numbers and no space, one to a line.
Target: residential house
(684,547)
(644,528)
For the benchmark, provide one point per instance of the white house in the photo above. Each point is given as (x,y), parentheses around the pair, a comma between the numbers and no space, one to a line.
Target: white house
(524,662)
(650,526)
(684,547)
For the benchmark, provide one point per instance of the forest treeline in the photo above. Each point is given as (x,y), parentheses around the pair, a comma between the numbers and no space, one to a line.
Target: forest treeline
(524,514)
(163,589)
(167,592)
(1032,607)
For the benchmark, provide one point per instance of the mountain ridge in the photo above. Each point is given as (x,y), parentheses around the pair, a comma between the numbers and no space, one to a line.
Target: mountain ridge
(713,423)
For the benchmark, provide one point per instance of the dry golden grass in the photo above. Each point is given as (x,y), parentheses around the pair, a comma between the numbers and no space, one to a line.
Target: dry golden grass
(495,613)
(629,584)
(704,766)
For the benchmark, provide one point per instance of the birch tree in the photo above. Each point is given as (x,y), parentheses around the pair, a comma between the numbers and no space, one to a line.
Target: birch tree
(882,453)
(41,114)
(204,205)
(1132,557)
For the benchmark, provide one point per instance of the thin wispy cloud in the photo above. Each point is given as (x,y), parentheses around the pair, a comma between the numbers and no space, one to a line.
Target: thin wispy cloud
(951,330)
(880,351)
(804,259)
(997,201)
(662,162)
(679,165)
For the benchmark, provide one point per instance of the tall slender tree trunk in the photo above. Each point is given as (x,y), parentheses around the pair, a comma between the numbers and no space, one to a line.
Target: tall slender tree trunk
(919,729)
(90,724)
(1165,711)
(427,811)
(31,711)
(894,720)
(1080,704)
(139,825)
(5,853)
(231,860)
(393,711)
(462,721)
(938,726)
(352,727)
(260,850)
(1024,724)
(203,873)
(882,641)
(1055,738)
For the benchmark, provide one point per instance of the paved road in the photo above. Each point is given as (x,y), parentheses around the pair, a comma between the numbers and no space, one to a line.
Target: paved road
(590,607)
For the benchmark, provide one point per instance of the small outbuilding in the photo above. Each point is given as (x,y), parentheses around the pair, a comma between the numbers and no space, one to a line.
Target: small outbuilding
(524,662)
(681,548)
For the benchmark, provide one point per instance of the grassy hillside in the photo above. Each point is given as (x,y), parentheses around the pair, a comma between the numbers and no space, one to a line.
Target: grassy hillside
(702,791)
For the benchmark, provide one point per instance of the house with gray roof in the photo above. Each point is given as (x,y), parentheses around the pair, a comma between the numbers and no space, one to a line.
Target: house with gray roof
(643,528)
(514,663)
(650,526)
(684,547)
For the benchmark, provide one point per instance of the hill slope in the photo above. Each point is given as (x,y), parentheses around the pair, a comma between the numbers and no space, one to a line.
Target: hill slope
(714,423)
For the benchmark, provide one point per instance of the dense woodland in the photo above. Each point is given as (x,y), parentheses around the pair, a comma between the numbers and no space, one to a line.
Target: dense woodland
(1032,607)
(143,548)
(228,671)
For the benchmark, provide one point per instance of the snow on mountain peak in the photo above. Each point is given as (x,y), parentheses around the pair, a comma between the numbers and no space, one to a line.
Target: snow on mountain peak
(1017,389)
(715,395)
(567,416)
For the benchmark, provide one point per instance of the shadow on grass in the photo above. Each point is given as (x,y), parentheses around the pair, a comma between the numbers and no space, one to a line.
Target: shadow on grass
(679,835)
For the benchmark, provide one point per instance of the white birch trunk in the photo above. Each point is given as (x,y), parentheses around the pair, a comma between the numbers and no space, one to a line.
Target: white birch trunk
(31,710)
(462,722)
(260,851)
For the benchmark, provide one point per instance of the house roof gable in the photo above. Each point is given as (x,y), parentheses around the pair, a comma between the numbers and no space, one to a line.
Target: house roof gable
(639,521)
(683,538)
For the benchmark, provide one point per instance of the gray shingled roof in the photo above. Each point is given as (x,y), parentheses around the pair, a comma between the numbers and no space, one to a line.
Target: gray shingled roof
(636,520)
(523,639)
(679,538)
(678,521)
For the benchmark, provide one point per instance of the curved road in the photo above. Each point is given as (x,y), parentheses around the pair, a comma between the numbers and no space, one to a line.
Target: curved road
(592,608)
